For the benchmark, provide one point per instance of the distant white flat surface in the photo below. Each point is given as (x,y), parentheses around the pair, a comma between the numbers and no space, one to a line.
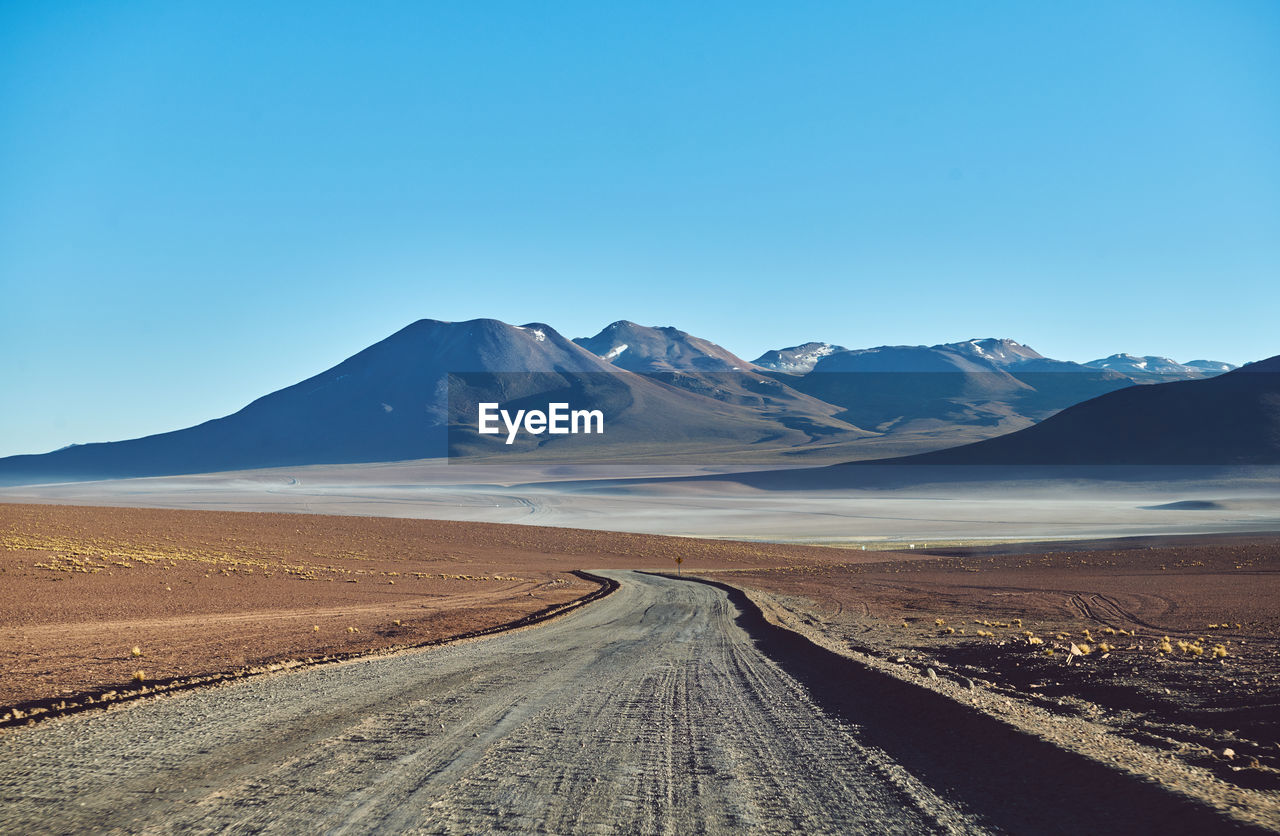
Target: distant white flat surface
(627,498)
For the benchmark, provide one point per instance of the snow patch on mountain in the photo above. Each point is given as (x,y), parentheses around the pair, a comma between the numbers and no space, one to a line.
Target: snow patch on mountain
(1149,366)
(797,358)
(1001,352)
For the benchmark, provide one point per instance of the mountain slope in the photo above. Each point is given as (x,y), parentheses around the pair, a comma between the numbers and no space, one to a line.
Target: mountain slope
(640,348)
(907,388)
(681,360)
(1150,368)
(1230,419)
(387,402)
(1004,353)
(797,359)
(665,394)
(414,394)
(991,386)
(904,389)
(1212,366)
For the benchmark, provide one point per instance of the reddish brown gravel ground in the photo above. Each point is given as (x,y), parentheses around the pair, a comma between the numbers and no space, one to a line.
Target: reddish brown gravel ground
(205,592)
(1009,621)
(198,592)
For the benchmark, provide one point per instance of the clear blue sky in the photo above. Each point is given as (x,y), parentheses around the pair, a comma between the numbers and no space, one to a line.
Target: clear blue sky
(203,202)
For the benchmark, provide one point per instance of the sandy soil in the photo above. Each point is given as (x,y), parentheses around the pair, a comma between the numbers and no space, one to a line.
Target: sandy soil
(203,591)
(1009,621)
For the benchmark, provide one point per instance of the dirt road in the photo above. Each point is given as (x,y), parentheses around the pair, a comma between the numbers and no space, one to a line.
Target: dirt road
(651,711)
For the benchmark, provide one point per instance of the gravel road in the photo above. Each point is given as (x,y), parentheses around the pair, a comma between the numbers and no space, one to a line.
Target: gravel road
(653,710)
(650,711)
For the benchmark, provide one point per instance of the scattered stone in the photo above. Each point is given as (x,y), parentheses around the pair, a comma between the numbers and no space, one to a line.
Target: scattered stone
(929,672)
(1227,753)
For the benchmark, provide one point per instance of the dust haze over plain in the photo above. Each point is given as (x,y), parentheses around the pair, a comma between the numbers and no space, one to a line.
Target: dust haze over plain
(900,505)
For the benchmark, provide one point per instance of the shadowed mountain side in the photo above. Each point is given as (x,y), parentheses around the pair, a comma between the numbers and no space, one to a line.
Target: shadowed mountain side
(1232,419)
(912,389)
(1224,427)
(386,403)
(668,396)
(995,385)
(644,418)
(392,402)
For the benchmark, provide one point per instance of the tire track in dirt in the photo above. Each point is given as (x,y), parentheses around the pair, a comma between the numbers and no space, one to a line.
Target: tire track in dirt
(651,711)
(668,707)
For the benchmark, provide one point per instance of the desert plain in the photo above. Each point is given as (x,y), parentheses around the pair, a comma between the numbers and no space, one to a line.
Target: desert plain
(199,593)
(1164,648)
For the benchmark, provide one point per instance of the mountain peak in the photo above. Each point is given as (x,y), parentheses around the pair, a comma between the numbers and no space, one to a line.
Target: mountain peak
(1148,366)
(797,358)
(1215,366)
(1000,351)
(643,348)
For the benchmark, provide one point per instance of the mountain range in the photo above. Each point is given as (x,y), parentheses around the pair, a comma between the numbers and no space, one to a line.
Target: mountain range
(666,393)
(1000,353)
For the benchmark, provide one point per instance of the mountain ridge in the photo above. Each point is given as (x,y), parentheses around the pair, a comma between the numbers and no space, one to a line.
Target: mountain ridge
(391,400)
(412,395)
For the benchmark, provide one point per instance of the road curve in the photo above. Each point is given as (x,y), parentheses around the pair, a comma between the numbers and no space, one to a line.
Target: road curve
(650,711)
